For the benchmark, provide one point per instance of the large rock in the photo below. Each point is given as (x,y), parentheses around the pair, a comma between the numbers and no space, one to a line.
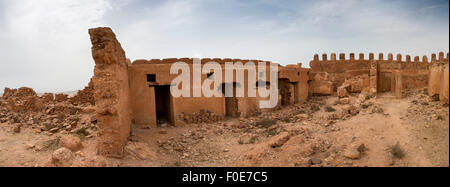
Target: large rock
(71,142)
(247,139)
(62,157)
(354,151)
(344,101)
(279,140)
(342,91)
(363,97)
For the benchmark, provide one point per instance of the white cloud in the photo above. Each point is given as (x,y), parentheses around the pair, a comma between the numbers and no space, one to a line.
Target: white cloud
(45,44)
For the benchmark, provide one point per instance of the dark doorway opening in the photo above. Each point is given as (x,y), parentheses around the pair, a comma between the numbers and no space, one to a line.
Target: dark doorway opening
(385,82)
(231,103)
(285,91)
(163,105)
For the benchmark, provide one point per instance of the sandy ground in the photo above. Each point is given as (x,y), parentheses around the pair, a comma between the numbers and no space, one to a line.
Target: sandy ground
(418,125)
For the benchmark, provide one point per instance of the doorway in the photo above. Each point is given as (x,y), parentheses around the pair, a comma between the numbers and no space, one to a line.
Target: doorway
(163,105)
(231,103)
(285,91)
(385,82)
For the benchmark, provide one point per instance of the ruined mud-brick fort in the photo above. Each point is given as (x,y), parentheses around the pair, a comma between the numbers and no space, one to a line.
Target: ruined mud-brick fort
(139,92)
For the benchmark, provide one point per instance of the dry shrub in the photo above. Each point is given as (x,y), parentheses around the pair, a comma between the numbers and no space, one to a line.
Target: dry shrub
(266,122)
(396,151)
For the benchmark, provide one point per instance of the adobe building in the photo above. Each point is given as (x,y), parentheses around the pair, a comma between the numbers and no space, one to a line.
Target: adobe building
(152,103)
(138,92)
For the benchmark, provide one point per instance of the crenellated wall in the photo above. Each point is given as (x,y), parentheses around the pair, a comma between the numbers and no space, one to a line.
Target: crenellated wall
(330,72)
(438,82)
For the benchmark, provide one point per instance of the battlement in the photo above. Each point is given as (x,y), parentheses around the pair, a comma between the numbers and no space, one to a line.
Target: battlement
(191,60)
(330,72)
(381,58)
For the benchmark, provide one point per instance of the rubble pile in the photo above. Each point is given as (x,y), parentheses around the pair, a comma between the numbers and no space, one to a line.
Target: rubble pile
(425,108)
(201,117)
(48,113)
(21,100)
(85,96)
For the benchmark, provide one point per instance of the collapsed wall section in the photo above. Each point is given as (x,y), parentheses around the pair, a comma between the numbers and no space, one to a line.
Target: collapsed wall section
(111,93)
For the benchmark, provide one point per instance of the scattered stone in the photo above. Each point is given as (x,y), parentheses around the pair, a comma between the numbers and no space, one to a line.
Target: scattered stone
(344,101)
(354,151)
(62,157)
(54,130)
(139,150)
(48,126)
(353,110)
(315,161)
(302,116)
(247,139)
(16,128)
(71,142)
(342,91)
(279,140)
(29,146)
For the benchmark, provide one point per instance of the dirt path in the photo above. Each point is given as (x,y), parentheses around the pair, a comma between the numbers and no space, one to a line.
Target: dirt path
(381,131)
(17,149)
(306,138)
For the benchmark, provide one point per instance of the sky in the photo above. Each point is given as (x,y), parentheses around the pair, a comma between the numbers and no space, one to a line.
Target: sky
(44,44)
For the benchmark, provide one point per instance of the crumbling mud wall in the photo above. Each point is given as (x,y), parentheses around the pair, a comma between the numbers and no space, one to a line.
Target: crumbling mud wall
(186,109)
(299,78)
(328,75)
(112,92)
(438,81)
(434,82)
(444,88)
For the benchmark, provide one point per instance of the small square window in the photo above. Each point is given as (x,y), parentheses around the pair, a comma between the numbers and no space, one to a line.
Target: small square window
(151,78)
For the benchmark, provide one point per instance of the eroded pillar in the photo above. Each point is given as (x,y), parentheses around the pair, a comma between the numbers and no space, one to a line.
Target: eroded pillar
(112,97)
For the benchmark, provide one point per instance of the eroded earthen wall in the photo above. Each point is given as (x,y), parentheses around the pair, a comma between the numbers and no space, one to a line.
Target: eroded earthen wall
(112,93)
(438,81)
(187,109)
(328,74)
(444,88)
